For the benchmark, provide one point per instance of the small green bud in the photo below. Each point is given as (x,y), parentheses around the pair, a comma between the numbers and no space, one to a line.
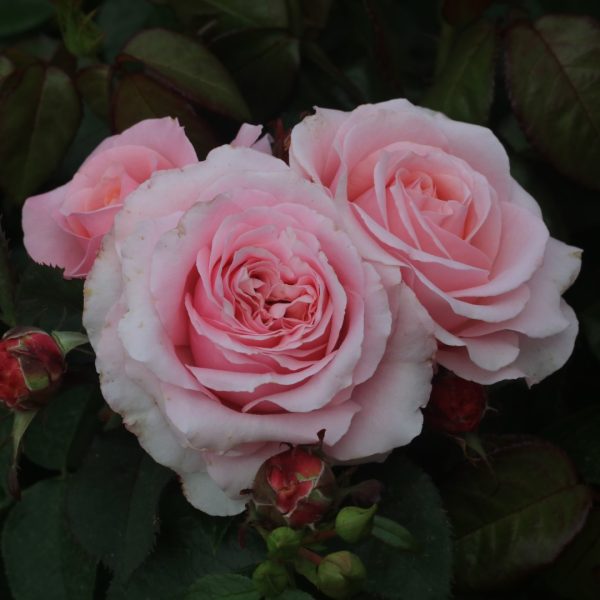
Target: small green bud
(341,575)
(284,543)
(270,578)
(353,523)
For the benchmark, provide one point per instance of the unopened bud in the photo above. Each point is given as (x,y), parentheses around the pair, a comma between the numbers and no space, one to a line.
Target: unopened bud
(284,543)
(295,488)
(270,578)
(456,405)
(341,575)
(31,367)
(353,523)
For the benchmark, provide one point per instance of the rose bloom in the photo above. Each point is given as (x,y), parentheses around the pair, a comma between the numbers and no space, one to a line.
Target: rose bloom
(64,227)
(230,313)
(431,201)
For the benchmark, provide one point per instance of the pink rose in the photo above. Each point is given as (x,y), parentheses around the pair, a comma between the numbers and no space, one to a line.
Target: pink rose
(65,227)
(229,313)
(431,201)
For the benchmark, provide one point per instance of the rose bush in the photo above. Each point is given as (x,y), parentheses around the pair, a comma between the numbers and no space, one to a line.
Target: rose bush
(230,313)
(431,201)
(65,227)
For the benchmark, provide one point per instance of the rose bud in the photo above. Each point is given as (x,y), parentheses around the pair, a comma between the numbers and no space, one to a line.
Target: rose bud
(32,364)
(284,543)
(353,523)
(270,578)
(456,405)
(341,574)
(294,487)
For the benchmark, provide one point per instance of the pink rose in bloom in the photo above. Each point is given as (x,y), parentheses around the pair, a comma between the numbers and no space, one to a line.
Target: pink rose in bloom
(431,201)
(230,313)
(65,227)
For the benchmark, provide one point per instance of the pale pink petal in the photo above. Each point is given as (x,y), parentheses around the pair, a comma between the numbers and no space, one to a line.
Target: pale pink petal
(165,136)
(392,399)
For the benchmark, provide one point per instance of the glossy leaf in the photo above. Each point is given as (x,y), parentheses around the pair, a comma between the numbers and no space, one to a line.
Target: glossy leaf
(554,85)
(6,68)
(41,558)
(39,116)
(410,498)
(93,84)
(138,97)
(58,436)
(120,21)
(223,587)
(463,12)
(190,68)
(516,516)
(23,15)
(47,300)
(463,90)
(191,545)
(576,574)
(113,501)
(260,60)
(227,15)
(7,300)
(579,436)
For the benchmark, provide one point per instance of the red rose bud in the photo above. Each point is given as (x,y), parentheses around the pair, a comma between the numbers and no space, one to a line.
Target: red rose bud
(455,405)
(294,487)
(31,366)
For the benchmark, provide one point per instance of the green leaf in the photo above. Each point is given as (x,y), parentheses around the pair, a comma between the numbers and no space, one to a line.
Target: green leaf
(6,68)
(22,15)
(226,15)
(61,431)
(464,88)
(93,85)
(261,60)
(579,436)
(6,455)
(113,501)
(463,12)
(138,97)
(41,558)
(191,544)
(121,20)
(410,498)
(392,533)
(7,301)
(222,587)
(291,594)
(39,116)
(46,299)
(554,86)
(576,573)
(190,68)
(92,131)
(516,516)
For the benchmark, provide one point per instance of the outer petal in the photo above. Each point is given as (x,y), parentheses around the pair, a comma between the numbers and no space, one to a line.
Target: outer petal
(392,399)
(165,136)
(45,240)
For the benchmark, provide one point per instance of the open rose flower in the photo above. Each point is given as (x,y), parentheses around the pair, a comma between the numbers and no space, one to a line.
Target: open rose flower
(230,313)
(431,200)
(65,227)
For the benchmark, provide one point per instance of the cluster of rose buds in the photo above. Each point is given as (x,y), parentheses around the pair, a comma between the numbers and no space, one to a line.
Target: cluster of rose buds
(294,500)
